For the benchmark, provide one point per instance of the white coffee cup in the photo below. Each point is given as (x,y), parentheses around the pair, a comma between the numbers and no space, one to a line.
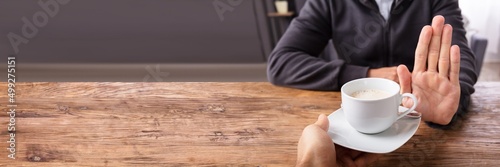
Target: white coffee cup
(378,113)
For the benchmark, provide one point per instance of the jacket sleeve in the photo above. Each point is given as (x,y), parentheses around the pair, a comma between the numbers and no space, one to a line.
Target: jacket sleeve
(453,15)
(295,60)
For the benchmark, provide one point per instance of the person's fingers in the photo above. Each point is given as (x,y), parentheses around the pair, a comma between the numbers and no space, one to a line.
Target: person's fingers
(422,49)
(366,159)
(455,65)
(444,56)
(405,83)
(323,122)
(404,76)
(435,45)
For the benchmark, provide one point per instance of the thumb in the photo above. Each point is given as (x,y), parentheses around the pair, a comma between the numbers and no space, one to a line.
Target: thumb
(404,76)
(323,122)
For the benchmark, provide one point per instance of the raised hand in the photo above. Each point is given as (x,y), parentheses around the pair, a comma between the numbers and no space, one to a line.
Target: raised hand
(435,77)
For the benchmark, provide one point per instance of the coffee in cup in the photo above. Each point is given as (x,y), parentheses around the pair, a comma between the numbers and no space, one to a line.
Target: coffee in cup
(370,94)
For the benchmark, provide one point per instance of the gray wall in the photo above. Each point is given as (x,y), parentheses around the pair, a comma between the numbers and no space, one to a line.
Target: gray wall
(139,31)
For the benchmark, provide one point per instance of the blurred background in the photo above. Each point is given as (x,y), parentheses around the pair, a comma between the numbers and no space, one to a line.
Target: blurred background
(482,19)
(170,40)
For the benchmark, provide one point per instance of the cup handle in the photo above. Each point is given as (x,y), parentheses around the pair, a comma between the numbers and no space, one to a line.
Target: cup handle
(412,107)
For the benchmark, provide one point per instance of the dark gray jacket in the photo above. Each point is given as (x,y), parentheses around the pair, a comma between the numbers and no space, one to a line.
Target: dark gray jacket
(363,40)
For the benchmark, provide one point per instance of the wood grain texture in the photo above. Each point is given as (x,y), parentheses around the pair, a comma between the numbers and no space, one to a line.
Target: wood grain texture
(209,124)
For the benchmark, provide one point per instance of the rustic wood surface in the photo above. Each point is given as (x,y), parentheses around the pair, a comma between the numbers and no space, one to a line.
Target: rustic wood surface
(210,124)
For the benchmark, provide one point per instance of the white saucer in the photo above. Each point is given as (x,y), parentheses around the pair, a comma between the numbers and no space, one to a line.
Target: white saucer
(387,141)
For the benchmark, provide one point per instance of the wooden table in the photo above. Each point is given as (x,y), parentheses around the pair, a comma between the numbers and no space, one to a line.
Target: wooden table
(209,124)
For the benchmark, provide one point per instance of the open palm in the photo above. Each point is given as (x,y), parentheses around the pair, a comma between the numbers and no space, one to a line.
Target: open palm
(435,77)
